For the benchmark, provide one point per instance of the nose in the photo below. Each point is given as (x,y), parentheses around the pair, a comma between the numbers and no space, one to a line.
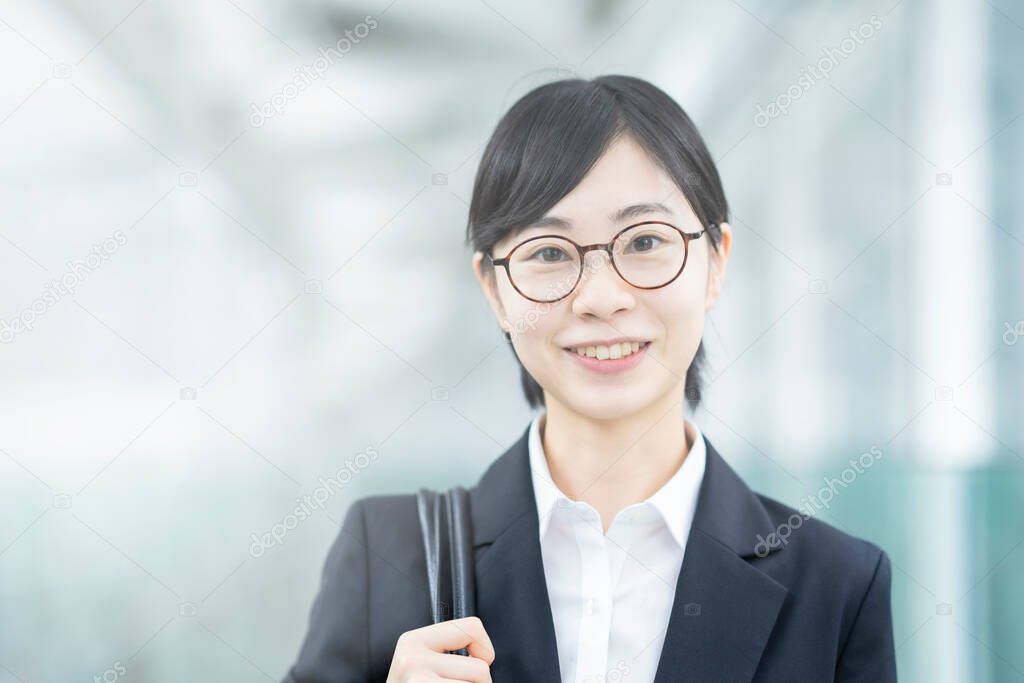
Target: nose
(600,292)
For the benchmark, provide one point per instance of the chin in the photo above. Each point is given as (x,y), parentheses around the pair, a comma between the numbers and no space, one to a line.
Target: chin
(605,404)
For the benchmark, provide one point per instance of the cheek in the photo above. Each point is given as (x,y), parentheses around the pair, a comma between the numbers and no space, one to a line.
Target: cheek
(679,308)
(531,324)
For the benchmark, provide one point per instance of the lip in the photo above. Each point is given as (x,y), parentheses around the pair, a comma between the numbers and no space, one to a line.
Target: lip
(609,366)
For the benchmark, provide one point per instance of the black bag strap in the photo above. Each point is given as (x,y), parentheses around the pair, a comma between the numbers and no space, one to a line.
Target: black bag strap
(447,532)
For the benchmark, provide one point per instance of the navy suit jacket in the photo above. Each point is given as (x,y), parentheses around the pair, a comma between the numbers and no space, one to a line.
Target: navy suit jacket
(815,607)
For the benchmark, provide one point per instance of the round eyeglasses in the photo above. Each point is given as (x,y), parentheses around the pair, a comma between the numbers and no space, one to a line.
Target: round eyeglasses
(646,255)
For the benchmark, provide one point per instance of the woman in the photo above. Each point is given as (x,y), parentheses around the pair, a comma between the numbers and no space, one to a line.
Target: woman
(612,542)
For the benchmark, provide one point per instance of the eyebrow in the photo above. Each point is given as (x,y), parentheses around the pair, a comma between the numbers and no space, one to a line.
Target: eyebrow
(631,211)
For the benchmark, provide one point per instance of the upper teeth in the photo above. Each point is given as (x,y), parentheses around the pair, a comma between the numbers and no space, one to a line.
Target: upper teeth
(612,351)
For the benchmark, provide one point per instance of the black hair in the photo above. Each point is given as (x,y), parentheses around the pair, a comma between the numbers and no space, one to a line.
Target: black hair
(551,137)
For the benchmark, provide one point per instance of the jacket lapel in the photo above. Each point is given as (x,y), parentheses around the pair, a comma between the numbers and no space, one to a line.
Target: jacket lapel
(512,594)
(724,608)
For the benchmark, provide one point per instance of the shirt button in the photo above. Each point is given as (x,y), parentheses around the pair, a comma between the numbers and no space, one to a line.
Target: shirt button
(590,606)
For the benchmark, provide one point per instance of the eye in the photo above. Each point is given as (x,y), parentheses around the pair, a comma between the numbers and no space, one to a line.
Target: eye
(644,243)
(549,254)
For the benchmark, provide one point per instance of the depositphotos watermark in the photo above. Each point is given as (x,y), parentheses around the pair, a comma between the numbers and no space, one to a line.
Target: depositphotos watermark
(308,73)
(813,73)
(60,287)
(615,674)
(780,537)
(111,675)
(316,500)
(1013,332)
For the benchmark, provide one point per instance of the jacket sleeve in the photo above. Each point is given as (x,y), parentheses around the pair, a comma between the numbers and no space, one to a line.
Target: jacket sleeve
(869,653)
(336,647)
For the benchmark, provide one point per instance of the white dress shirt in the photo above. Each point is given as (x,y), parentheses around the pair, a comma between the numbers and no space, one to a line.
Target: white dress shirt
(611,595)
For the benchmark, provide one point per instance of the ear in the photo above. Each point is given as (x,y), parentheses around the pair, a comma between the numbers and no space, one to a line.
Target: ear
(717,262)
(486,275)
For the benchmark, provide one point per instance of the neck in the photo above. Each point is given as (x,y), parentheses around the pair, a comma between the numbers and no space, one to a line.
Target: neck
(613,463)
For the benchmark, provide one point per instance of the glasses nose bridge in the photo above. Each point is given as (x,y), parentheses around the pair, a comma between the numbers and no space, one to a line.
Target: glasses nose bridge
(584,249)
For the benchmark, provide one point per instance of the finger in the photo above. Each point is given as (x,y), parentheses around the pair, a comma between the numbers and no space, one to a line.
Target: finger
(460,668)
(459,633)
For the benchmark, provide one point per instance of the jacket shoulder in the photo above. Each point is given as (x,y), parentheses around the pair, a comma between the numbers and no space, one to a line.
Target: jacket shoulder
(388,505)
(373,588)
(830,572)
(815,540)
(830,569)
(390,524)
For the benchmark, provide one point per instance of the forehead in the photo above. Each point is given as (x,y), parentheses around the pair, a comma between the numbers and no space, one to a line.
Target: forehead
(625,173)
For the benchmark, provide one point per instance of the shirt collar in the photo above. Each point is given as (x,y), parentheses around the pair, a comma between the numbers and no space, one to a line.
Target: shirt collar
(676,500)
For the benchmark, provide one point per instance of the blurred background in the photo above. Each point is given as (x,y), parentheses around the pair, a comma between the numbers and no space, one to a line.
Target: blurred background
(232,266)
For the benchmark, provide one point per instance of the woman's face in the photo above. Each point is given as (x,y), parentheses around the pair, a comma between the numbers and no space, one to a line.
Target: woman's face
(603,307)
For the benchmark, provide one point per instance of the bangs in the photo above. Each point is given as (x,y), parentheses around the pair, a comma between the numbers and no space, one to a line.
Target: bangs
(540,151)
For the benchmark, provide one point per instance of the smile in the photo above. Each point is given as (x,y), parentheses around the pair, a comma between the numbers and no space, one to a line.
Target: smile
(610,358)
(610,351)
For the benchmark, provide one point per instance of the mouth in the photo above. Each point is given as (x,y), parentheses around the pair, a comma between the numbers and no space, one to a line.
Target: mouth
(609,351)
(605,359)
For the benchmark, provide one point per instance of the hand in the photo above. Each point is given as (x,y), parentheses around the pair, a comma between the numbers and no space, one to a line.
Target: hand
(422,654)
